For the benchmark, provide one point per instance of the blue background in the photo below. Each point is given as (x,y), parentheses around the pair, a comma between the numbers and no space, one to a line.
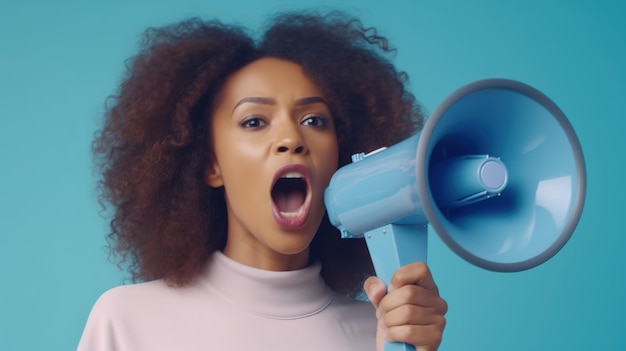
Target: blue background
(60,59)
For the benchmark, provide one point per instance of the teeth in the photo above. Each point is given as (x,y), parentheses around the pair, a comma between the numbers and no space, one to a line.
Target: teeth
(292,214)
(292,175)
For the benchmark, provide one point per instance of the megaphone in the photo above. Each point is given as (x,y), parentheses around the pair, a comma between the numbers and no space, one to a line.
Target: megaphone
(497,171)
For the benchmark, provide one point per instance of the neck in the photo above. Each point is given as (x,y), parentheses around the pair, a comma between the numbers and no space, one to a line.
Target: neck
(268,260)
(275,295)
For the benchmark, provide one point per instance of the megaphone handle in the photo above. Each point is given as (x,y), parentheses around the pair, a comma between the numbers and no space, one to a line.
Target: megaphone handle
(391,247)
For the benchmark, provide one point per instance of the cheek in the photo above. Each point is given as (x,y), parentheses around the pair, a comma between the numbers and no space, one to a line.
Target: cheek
(330,158)
(237,164)
(239,157)
(235,145)
(247,149)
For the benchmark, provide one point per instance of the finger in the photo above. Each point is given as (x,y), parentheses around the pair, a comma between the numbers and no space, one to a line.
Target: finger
(411,315)
(413,295)
(375,290)
(424,338)
(416,273)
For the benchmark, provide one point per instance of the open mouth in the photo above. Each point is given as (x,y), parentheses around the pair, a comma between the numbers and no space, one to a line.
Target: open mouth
(291,196)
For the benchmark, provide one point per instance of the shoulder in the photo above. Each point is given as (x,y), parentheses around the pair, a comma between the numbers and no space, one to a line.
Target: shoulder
(133,304)
(121,309)
(121,298)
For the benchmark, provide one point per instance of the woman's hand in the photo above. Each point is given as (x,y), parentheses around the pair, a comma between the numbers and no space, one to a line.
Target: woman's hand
(412,311)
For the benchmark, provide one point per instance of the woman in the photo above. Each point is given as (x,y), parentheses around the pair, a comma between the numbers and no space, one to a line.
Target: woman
(215,154)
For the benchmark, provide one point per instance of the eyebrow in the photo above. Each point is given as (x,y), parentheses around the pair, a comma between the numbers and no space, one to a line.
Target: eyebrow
(269,101)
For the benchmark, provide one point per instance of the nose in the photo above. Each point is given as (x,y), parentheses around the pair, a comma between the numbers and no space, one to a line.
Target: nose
(290,140)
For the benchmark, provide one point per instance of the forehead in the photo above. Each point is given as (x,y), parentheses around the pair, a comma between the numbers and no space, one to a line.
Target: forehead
(269,77)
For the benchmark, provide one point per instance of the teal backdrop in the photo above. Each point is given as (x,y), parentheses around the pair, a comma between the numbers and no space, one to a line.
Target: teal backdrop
(60,59)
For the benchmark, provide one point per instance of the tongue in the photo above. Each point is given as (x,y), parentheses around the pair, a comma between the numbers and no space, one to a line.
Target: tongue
(289,201)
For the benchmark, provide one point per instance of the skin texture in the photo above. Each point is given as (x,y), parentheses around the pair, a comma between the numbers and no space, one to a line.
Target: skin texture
(278,119)
(171,195)
(155,141)
(412,311)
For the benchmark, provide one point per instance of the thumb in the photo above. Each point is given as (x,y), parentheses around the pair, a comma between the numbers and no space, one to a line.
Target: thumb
(375,290)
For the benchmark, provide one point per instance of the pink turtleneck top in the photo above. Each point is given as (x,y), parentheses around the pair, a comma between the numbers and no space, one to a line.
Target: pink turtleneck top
(231,306)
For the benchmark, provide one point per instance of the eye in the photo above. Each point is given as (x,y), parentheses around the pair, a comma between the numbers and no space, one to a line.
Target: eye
(316,121)
(253,123)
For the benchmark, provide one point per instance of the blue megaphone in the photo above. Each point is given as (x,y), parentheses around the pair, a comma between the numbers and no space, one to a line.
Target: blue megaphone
(497,171)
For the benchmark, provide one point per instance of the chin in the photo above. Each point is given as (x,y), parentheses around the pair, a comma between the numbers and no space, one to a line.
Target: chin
(293,247)
(291,243)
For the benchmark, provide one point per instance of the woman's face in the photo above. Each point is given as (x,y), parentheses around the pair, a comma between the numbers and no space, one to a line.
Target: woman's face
(275,150)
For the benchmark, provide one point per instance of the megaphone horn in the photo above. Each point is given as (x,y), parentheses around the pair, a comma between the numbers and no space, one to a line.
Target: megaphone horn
(497,171)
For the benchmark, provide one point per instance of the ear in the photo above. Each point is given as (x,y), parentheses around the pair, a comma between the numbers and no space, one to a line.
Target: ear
(213,175)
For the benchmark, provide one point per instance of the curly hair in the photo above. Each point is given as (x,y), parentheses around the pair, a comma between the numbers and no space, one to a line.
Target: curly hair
(155,144)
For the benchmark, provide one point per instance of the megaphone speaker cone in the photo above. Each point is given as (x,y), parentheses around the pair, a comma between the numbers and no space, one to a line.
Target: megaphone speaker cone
(501,175)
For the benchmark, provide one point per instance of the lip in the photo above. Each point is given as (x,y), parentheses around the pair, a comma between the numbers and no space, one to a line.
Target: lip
(297,221)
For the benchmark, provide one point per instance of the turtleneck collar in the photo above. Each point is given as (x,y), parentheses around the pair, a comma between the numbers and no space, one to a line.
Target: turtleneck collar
(277,295)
